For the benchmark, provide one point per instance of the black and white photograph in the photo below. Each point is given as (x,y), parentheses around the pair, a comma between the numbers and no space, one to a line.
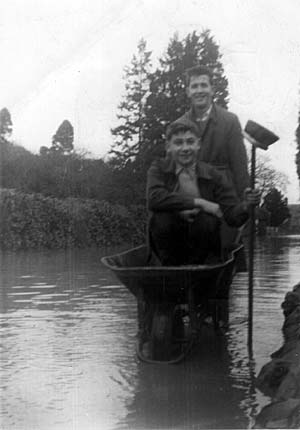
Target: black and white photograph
(149,214)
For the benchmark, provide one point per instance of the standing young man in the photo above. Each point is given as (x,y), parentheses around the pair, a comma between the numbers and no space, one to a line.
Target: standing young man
(188,198)
(221,136)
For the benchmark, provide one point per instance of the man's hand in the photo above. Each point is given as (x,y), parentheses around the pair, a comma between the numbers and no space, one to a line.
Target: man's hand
(209,207)
(251,197)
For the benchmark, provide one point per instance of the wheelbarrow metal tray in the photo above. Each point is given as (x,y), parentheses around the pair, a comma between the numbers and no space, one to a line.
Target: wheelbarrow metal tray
(135,271)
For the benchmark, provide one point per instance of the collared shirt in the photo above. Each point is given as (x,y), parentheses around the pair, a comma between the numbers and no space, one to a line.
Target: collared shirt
(205,115)
(187,181)
(203,120)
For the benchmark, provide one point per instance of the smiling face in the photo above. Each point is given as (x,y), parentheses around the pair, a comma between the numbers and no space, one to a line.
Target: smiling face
(200,92)
(183,148)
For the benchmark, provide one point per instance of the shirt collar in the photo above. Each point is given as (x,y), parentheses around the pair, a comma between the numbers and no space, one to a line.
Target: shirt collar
(190,169)
(202,169)
(205,114)
(212,114)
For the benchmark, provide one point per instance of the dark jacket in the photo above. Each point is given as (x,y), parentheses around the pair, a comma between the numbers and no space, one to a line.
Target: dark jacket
(161,197)
(222,146)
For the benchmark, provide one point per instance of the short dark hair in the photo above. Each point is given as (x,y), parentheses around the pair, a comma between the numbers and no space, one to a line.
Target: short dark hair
(181,125)
(198,71)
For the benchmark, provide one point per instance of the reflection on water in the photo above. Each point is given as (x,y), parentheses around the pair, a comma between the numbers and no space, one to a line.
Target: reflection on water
(68,339)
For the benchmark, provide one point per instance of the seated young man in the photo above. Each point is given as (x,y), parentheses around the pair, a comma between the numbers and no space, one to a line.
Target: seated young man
(187,199)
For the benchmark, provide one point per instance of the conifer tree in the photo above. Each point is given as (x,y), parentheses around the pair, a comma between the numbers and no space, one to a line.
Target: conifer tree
(298,147)
(131,116)
(62,140)
(277,206)
(5,124)
(211,57)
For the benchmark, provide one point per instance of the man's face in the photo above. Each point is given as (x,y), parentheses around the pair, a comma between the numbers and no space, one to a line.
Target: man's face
(200,91)
(183,148)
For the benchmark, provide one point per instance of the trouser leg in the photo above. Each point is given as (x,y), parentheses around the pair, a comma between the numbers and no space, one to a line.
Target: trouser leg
(167,235)
(203,238)
(180,242)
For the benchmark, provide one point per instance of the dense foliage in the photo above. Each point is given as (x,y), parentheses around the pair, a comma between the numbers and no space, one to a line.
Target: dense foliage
(35,221)
(5,124)
(131,116)
(276,205)
(16,165)
(294,222)
(297,158)
(62,140)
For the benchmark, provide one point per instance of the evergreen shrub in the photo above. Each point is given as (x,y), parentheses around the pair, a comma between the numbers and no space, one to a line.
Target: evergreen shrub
(35,221)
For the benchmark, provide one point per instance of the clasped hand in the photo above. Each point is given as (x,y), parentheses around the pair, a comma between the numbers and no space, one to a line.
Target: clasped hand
(189,215)
(201,205)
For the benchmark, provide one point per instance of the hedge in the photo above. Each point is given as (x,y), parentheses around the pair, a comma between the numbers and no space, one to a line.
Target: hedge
(35,221)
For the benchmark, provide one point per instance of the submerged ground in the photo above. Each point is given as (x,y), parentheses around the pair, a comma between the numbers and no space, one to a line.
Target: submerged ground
(68,338)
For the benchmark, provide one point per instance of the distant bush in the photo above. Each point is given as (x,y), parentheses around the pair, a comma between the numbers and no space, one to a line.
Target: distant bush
(293,225)
(36,221)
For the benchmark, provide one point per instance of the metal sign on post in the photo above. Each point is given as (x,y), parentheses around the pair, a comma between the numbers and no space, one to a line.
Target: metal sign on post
(259,137)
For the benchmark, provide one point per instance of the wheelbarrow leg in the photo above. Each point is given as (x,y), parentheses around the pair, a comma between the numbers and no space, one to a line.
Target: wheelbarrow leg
(144,313)
(220,314)
(161,339)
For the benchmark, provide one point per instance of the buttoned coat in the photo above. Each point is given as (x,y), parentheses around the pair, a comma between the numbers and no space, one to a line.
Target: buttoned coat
(222,146)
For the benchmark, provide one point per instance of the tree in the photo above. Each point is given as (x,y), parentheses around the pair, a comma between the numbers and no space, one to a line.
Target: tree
(44,150)
(267,177)
(62,140)
(5,124)
(16,164)
(277,206)
(211,57)
(297,160)
(131,109)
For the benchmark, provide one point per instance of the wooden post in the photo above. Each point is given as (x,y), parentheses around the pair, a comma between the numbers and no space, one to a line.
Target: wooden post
(259,137)
(251,256)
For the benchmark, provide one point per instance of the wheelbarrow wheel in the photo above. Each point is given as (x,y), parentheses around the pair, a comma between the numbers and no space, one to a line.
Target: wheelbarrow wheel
(161,333)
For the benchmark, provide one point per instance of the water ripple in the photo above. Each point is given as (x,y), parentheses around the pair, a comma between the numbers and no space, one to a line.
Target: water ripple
(68,332)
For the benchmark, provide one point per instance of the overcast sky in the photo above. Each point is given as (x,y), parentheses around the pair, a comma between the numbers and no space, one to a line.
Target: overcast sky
(64,59)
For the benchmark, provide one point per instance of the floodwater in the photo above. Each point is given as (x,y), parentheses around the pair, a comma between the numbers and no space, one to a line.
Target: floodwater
(68,348)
